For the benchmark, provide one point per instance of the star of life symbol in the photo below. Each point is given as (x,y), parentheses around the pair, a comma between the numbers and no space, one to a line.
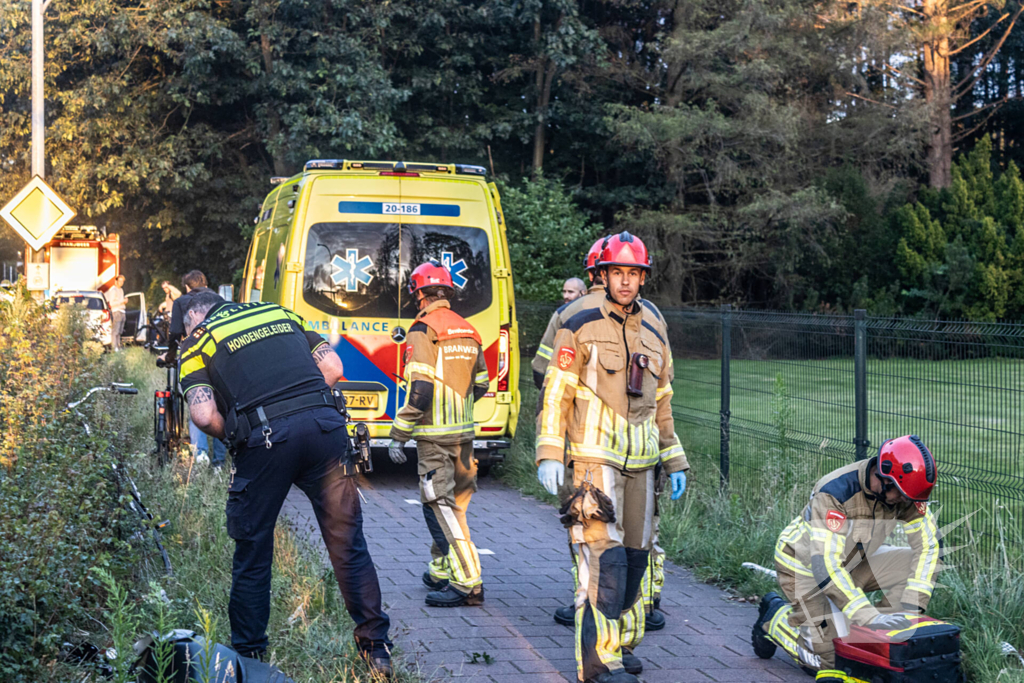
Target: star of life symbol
(455,268)
(351,270)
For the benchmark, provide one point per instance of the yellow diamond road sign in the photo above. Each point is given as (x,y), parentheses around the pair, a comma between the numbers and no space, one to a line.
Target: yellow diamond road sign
(37,213)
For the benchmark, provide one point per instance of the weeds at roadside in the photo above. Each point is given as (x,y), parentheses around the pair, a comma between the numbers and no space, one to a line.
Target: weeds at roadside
(712,532)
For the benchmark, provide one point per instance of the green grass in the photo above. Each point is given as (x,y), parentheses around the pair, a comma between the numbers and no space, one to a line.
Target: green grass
(310,631)
(781,413)
(970,413)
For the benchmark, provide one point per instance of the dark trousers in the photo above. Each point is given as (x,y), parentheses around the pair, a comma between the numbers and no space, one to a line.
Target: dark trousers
(308,449)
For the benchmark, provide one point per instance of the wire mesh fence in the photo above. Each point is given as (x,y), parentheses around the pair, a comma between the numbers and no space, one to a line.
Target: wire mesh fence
(789,397)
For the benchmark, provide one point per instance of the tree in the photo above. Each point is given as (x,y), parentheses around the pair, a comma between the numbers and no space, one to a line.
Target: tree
(961,250)
(730,124)
(935,31)
(548,236)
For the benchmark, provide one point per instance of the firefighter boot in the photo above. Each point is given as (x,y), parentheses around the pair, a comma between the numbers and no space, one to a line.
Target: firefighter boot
(566,616)
(630,662)
(432,583)
(655,620)
(770,604)
(449,596)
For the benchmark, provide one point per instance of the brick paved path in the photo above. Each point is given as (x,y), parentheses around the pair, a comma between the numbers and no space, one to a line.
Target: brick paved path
(526,578)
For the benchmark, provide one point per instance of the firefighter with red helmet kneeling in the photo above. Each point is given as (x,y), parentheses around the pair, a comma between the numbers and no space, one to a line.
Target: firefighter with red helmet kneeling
(835,552)
(607,400)
(445,374)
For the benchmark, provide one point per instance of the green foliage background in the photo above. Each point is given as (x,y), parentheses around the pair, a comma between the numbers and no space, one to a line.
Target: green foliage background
(755,145)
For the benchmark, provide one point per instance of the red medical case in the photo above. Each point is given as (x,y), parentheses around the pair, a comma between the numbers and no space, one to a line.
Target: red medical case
(927,652)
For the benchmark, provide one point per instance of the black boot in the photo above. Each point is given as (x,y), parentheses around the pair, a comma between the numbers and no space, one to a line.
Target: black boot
(380,667)
(432,583)
(655,621)
(763,646)
(450,597)
(631,663)
(566,616)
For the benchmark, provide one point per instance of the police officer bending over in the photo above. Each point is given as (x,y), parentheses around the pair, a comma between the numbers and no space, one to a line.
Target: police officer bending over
(253,374)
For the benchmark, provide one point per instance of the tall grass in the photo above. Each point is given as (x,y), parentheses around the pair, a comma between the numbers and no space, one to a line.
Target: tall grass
(310,631)
(713,531)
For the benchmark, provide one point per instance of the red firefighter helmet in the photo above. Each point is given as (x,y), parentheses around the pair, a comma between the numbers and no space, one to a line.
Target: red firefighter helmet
(624,250)
(909,465)
(430,274)
(594,255)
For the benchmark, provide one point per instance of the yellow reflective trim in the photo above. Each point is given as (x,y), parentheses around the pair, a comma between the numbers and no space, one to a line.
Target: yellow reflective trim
(544,352)
(855,606)
(663,392)
(916,626)
(403,424)
(673,451)
(191,365)
(788,561)
(482,377)
(928,561)
(420,369)
(223,330)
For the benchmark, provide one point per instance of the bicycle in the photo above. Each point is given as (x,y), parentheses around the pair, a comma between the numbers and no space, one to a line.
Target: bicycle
(168,415)
(149,548)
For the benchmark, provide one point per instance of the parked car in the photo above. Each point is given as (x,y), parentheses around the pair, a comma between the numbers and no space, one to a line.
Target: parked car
(98,311)
(135,322)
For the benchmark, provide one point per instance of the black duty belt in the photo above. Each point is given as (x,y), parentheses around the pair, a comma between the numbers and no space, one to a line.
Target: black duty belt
(259,418)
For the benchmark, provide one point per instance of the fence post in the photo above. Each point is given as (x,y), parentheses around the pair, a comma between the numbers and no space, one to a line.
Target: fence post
(724,412)
(860,382)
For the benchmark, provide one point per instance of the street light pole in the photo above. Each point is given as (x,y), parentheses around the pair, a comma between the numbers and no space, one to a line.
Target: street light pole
(38,104)
(38,110)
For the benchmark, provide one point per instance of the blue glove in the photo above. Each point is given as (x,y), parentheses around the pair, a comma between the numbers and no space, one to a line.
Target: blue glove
(678,484)
(551,474)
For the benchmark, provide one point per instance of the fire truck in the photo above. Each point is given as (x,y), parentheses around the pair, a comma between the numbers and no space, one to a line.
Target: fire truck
(82,258)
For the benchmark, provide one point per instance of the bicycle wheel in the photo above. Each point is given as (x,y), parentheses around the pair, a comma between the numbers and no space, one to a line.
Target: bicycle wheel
(154,562)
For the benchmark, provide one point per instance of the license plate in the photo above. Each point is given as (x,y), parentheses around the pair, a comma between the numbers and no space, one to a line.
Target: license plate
(402,209)
(361,401)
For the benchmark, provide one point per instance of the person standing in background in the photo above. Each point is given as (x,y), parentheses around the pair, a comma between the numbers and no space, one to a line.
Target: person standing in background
(115,299)
(172,293)
(573,289)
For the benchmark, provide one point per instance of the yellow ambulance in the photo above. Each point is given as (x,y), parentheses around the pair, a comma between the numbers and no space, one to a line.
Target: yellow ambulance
(337,243)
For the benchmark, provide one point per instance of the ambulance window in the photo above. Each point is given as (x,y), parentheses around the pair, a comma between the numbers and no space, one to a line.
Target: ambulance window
(463,249)
(351,269)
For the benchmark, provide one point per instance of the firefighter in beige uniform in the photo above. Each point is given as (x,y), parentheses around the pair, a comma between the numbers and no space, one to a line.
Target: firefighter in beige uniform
(835,552)
(445,373)
(654,578)
(608,389)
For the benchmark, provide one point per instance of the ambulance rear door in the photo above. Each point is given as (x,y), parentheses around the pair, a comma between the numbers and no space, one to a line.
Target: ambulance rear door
(350,288)
(448,219)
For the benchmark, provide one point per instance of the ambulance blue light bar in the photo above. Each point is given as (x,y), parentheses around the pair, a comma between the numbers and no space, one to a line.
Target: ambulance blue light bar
(470,170)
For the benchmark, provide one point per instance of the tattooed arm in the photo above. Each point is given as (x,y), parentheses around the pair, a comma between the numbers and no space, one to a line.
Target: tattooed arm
(203,409)
(329,363)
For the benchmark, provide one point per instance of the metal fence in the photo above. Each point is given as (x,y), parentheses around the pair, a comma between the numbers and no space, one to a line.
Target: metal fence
(775,400)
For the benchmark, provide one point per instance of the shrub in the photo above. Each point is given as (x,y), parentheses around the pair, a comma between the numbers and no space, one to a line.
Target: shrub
(57,496)
(548,237)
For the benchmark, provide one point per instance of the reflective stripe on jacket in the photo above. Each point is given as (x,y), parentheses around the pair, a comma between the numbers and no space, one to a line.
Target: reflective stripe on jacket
(444,364)
(843,524)
(584,396)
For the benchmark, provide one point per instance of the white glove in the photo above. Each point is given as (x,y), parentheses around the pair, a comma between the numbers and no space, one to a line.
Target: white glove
(396,449)
(889,622)
(551,474)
